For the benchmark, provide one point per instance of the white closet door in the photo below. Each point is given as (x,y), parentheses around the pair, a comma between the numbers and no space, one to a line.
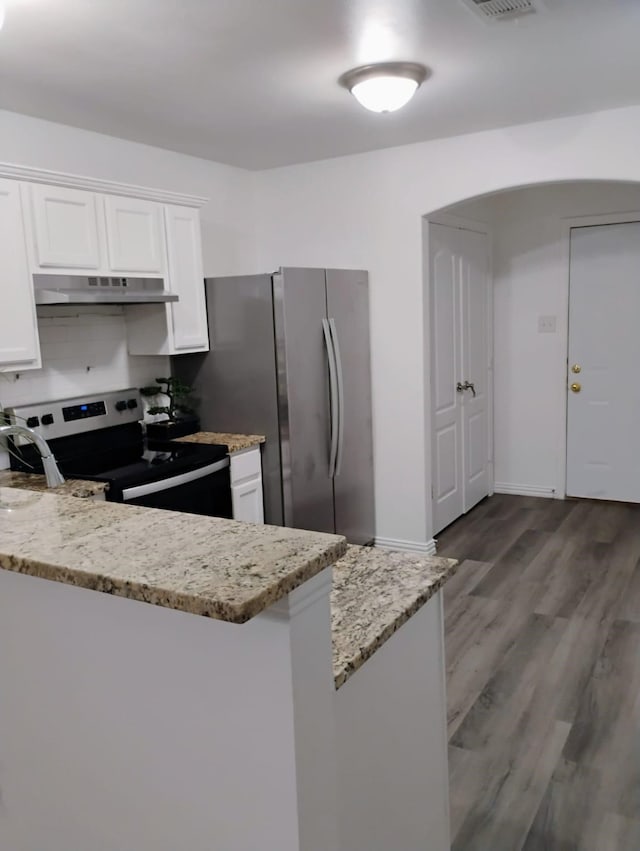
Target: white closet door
(460,282)
(603,419)
(475,283)
(448,498)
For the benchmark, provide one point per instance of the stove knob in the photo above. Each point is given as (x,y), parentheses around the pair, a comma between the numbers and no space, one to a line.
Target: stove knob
(132,403)
(121,406)
(47,419)
(33,422)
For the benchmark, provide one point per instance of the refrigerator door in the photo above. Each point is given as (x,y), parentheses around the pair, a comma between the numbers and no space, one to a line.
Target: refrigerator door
(348,307)
(236,382)
(303,386)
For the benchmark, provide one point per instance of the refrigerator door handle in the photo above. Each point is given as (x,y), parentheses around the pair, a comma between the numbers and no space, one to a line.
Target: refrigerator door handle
(333,392)
(336,349)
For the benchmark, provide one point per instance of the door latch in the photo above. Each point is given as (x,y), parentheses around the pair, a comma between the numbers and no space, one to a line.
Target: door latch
(468,385)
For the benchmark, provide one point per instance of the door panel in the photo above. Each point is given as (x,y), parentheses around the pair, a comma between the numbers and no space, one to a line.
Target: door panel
(459,275)
(19,343)
(134,235)
(445,331)
(299,308)
(447,481)
(474,272)
(236,382)
(65,227)
(603,438)
(348,305)
(186,278)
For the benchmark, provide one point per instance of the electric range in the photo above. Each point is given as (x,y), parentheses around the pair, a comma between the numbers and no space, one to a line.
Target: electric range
(100,437)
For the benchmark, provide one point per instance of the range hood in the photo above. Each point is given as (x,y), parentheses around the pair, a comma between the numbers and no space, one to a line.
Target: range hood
(89,289)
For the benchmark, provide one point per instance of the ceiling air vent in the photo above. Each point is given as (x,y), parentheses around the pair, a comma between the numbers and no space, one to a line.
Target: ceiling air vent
(503,10)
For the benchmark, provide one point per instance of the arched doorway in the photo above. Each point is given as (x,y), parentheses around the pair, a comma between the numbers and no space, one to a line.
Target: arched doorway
(529,229)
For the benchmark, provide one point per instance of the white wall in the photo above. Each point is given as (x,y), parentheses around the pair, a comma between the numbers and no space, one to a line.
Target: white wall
(227,238)
(531,277)
(365,211)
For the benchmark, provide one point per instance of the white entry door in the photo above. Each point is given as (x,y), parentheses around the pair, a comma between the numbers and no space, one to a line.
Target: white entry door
(603,412)
(460,379)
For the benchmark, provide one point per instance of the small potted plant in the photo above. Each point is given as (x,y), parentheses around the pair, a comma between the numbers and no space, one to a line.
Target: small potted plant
(178,409)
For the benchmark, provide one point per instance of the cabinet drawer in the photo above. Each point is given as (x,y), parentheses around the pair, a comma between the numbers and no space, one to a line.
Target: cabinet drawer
(245,465)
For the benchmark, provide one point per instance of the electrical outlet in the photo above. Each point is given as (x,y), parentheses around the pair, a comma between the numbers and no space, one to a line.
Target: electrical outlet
(546,324)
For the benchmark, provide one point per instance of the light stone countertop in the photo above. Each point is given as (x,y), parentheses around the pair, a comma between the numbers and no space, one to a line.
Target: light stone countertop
(374,593)
(235,442)
(206,566)
(37,482)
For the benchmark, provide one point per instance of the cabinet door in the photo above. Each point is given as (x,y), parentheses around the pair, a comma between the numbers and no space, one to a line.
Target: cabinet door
(18,327)
(65,227)
(246,500)
(186,278)
(134,235)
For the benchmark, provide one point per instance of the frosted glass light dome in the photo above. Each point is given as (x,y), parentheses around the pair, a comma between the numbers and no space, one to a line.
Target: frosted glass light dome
(384,94)
(385,87)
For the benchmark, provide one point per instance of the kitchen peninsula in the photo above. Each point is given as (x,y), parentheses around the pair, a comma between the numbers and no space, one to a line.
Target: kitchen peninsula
(212,718)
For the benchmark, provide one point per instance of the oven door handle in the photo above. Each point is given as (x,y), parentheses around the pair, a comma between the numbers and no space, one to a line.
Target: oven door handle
(174,481)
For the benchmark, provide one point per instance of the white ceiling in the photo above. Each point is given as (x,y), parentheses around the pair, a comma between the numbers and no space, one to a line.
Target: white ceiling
(253,82)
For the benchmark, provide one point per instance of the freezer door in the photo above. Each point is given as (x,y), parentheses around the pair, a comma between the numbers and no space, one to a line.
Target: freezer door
(299,308)
(348,307)
(236,382)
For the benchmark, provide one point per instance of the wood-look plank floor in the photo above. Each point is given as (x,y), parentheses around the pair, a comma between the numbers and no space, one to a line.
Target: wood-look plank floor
(542,627)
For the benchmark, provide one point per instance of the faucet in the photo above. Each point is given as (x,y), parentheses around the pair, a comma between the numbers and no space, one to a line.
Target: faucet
(51,471)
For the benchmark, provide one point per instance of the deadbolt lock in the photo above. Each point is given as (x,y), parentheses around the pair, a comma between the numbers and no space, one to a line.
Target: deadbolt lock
(576,368)
(576,387)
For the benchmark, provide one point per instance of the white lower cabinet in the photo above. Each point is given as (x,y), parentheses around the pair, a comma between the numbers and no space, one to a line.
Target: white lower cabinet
(247,501)
(19,346)
(246,486)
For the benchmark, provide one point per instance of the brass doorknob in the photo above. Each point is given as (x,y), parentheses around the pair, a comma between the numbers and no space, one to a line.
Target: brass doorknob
(576,387)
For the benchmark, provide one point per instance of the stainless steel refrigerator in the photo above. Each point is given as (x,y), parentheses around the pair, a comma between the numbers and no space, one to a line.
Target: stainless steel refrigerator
(290,359)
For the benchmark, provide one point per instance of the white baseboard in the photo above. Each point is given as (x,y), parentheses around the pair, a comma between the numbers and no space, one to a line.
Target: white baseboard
(524,490)
(422,547)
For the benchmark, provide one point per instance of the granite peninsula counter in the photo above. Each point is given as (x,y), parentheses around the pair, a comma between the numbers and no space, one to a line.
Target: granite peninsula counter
(202,565)
(191,723)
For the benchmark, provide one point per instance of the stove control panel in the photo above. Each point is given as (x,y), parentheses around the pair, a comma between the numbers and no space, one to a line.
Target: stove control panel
(80,412)
(67,417)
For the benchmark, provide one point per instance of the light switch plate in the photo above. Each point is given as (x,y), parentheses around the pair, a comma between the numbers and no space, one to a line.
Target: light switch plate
(546,324)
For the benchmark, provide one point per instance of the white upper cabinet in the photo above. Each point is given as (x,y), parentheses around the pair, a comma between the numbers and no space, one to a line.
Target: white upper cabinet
(59,228)
(186,279)
(135,236)
(65,225)
(178,327)
(19,347)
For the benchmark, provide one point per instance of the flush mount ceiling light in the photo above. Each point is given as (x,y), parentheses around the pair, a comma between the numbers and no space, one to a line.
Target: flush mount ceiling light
(386,86)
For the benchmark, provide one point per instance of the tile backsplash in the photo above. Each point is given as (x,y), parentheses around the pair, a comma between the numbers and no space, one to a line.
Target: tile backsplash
(84,350)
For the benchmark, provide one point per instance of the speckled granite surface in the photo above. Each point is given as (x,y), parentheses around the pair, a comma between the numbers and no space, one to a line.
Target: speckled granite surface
(374,592)
(235,442)
(203,565)
(35,482)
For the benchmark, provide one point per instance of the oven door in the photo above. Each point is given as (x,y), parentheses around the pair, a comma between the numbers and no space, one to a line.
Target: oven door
(206,490)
